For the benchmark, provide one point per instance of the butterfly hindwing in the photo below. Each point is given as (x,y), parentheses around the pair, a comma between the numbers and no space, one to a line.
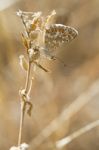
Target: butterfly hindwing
(56,34)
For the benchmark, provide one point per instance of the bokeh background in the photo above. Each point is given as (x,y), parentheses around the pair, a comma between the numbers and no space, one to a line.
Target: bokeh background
(65,100)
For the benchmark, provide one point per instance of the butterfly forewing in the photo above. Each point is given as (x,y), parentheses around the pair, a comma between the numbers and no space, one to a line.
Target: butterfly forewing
(56,34)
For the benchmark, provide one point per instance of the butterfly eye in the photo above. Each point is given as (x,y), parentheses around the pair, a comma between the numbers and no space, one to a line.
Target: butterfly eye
(56,34)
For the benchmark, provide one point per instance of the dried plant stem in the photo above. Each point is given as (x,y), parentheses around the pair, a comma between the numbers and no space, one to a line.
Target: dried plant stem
(24,25)
(66,114)
(21,123)
(27,78)
(23,105)
(61,143)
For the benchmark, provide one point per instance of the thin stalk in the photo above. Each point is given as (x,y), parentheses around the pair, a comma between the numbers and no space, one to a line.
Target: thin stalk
(21,123)
(23,105)
(27,78)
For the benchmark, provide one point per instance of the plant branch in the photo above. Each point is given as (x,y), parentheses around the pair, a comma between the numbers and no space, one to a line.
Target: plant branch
(27,78)
(21,122)
(63,142)
(23,104)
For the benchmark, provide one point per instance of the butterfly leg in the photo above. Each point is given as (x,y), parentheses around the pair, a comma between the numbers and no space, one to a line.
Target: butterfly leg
(40,66)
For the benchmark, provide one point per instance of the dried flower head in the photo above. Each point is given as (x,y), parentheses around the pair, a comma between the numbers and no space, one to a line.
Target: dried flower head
(41,34)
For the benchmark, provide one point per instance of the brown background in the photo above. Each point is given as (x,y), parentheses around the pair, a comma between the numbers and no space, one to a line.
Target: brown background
(52,94)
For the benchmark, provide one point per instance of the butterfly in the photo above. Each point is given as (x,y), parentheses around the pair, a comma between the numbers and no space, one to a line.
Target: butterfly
(41,36)
(56,35)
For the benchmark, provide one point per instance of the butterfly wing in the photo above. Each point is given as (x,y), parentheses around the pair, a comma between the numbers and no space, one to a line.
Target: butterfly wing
(56,34)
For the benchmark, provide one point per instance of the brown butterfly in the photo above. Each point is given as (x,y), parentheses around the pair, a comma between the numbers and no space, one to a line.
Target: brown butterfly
(55,35)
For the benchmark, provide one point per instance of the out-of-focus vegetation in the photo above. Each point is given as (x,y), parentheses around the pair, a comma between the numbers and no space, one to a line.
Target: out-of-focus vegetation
(65,100)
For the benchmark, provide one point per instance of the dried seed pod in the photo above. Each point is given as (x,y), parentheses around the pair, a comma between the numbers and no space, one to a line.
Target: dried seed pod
(26,41)
(34,35)
(23,62)
(49,17)
(56,34)
(33,22)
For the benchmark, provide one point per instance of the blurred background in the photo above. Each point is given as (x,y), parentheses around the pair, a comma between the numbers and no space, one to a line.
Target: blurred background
(65,100)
